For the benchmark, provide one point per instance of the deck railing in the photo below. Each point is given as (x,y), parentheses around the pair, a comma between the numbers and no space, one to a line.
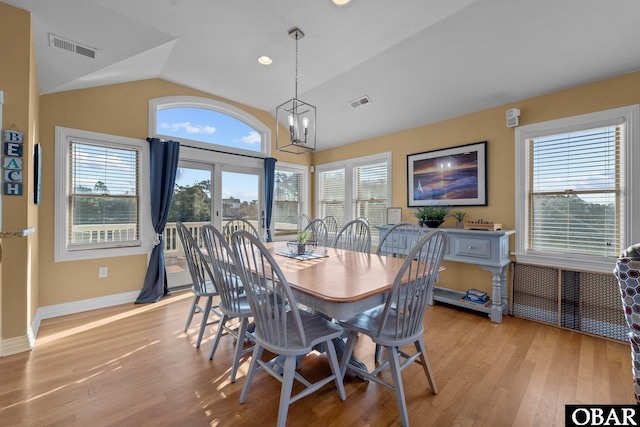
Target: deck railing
(89,233)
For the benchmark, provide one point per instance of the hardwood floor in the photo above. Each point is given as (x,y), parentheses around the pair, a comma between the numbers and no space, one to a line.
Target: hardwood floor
(133,365)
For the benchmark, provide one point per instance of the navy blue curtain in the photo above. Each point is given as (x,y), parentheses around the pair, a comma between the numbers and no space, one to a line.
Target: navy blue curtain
(164,164)
(269,185)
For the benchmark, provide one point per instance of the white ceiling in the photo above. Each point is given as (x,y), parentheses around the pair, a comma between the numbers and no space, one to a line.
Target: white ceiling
(419,61)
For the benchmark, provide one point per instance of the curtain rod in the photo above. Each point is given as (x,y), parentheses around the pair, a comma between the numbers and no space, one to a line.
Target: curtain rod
(221,151)
(217,151)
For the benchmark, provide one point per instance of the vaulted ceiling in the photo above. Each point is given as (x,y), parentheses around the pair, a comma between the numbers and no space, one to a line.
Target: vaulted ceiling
(418,61)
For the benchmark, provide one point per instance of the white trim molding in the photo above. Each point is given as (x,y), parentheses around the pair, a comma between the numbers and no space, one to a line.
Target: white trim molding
(630,177)
(214,105)
(27,342)
(64,136)
(15,345)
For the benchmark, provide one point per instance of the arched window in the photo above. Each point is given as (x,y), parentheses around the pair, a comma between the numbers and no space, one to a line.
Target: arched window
(206,123)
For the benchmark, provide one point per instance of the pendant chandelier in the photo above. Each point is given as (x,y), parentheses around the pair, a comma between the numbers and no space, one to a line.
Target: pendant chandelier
(297,116)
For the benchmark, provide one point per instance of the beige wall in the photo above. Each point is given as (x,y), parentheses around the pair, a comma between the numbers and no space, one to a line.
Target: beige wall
(19,279)
(121,109)
(487,125)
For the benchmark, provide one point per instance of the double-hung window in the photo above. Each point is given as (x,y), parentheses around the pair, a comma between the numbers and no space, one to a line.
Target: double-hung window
(101,200)
(576,189)
(289,196)
(331,192)
(371,192)
(355,188)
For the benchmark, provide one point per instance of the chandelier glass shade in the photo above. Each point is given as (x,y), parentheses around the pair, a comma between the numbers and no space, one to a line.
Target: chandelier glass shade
(297,117)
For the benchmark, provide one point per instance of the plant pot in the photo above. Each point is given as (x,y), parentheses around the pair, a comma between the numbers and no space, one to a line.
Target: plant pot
(297,248)
(459,224)
(433,223)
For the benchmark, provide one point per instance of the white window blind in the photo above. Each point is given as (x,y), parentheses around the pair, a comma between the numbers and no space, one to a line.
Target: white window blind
(575,198)
(103,203)
(370,191)
(288,201)
(332,195)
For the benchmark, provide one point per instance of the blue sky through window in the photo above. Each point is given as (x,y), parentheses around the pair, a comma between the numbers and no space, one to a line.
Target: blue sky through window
(204,125)
(200,124)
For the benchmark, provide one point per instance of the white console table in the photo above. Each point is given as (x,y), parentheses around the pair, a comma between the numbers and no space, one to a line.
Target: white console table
(486,249)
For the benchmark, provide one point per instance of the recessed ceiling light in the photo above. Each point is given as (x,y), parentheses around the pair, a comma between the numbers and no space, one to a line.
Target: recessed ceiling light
(341,2)
(264,60)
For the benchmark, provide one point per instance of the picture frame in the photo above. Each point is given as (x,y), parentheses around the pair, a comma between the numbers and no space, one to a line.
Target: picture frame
(394,215)
(37,173)
(455,176)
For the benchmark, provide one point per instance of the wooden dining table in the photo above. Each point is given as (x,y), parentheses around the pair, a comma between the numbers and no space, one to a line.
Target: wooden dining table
(340,284)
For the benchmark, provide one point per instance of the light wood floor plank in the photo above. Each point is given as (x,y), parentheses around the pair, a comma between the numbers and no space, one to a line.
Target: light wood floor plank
(133,365)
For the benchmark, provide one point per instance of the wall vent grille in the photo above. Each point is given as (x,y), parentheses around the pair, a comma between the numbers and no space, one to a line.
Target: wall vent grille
(360,101)
(578,300)
(70,46)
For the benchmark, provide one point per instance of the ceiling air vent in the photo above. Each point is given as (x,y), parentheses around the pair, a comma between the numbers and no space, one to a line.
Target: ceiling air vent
(360,101)
(60,43)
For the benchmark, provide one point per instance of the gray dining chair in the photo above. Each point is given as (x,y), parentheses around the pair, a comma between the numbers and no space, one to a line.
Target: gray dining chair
(396,241)
(233,299)
(319,232)
(399,321)
(236,224)
(354,236)
(281,328)
(365,220)
(202,282)
(304,220)
(332,227)
(399,239)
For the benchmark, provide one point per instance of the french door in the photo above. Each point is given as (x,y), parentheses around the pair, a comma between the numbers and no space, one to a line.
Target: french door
(209,193)
(241,196)
(192,205)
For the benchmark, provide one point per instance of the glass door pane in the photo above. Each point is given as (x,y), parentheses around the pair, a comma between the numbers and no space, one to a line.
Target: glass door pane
(191,204)
(241,197)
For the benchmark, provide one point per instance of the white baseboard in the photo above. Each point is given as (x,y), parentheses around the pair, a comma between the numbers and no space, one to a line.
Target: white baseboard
(56,310)
(15,345)
(47,312)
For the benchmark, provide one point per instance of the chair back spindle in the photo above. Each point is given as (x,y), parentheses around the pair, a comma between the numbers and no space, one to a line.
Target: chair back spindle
(197,264)
(354,236)
(318,231)
(272,302)
(238,224)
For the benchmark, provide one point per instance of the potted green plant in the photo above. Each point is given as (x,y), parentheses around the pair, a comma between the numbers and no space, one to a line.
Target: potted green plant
(299,246)
(432,216)
(459,216)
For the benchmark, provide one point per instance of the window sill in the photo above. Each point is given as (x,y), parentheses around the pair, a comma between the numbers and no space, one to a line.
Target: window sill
(590,264)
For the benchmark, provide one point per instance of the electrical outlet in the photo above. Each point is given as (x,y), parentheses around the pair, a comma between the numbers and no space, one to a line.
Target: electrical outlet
(102,272)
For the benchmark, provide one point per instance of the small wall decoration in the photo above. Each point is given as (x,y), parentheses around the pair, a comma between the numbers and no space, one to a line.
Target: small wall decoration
(12,162)
(394,215)
(454,176)
(37,173)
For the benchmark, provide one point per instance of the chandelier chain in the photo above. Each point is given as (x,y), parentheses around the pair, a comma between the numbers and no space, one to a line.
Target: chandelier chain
(296,91)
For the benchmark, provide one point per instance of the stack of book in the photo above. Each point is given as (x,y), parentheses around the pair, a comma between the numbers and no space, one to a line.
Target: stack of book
(477,297)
